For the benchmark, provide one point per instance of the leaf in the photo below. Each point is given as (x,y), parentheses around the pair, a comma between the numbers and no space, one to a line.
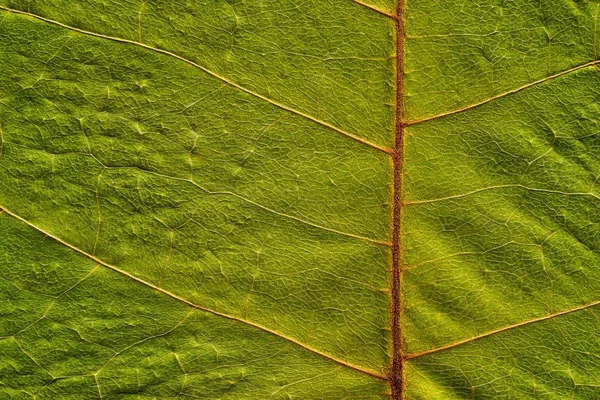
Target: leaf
(243,200)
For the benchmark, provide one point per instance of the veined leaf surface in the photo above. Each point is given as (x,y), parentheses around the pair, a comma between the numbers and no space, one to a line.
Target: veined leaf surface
(299,199)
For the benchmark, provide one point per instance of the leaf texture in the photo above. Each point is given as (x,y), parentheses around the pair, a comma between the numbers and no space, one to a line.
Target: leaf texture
(217,199)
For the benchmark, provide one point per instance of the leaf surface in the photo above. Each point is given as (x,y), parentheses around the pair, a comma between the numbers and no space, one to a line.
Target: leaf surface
(198,199)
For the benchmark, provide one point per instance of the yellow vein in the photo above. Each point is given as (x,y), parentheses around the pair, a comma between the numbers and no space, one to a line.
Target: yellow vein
(206,70)
(191,304)
(300,220)
(497,331)
(513,186)
(377,10)
(265,208)
(98,386)
(31,358)
(224,193)
(499,96)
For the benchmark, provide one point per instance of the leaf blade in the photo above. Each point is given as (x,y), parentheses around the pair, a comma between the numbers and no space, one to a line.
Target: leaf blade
(99,185)
(129,338)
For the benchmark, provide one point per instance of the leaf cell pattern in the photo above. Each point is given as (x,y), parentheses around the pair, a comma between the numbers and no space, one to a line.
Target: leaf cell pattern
(219,199)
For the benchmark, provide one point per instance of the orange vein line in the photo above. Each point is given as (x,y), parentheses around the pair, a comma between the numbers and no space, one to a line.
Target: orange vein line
(507,328)
(174,296)
(510,186)
(472,106)
(206,70)
(396,378)
(377,10)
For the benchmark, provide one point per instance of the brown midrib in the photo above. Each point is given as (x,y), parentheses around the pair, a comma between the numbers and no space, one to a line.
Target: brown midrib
(396,377)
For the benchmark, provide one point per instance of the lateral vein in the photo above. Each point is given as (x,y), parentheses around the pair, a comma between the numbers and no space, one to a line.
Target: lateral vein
(270,210)
(240,197)
(206,70)
(497,331)
(377,10)
(191,304)
(499,96)
(510,186)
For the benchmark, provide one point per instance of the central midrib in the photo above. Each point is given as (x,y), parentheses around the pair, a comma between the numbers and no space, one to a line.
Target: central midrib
(396,377)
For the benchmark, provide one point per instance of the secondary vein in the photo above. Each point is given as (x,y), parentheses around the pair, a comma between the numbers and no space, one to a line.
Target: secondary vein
(508,186)
(265,208)
(501,95)
(206,70)
(192,182)
(377,10)
(191,304)
(500,330)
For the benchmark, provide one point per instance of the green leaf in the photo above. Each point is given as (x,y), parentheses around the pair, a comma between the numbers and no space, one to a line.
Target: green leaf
(228,199)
